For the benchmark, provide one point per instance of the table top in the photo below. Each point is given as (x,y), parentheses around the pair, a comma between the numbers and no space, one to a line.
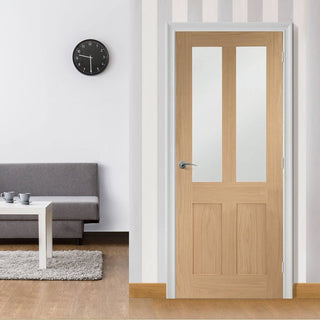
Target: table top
(35,207)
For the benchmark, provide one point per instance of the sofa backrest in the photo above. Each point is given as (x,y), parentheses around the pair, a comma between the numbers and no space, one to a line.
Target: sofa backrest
(50,179)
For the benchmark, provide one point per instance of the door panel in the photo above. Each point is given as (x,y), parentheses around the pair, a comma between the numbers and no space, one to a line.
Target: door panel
(251,238)
(207,240)
(229,214)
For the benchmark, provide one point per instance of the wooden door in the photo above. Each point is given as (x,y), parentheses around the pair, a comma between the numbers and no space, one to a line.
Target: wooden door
(229,230)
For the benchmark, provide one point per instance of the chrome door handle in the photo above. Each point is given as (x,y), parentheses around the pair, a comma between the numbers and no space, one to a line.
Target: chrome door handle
(183,164)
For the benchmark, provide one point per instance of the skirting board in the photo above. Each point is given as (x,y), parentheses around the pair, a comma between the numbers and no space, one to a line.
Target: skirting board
(147,290)
(158,290)
(306,290)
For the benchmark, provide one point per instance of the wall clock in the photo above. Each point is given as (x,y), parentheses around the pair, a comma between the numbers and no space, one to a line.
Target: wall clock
(90,57)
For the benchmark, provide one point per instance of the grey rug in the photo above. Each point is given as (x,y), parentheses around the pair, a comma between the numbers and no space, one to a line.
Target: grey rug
(64,265)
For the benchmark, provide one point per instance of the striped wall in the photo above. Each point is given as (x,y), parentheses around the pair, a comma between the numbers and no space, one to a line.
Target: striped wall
(148,232)
(232,10)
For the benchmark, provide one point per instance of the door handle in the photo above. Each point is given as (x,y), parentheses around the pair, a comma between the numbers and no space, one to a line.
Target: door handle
(183,164)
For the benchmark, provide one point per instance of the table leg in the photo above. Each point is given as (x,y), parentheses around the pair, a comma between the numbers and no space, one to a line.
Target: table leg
(49,232)
(42,241)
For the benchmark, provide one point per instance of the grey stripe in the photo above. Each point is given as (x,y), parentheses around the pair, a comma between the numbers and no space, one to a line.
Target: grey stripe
(225,11)
(285,10)
(255,10)
(164,16)
(312,8)
(194,10)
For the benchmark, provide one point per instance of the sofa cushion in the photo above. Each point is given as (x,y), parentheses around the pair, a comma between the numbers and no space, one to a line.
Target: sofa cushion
(65,208)
(29,229)
(50,179)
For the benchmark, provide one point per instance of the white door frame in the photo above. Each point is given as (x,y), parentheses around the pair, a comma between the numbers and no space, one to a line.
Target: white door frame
(287,141)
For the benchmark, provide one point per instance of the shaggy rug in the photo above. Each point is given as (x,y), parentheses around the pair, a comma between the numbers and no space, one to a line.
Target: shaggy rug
(64,265)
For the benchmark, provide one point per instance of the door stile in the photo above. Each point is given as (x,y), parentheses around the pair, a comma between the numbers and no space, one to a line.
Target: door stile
(229,225)
(183,152)
(274,164)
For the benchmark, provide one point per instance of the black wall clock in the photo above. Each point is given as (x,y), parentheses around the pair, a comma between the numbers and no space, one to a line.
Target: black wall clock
(90,57)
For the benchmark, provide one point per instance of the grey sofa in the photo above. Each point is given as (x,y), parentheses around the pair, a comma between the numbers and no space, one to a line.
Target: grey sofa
(72,187)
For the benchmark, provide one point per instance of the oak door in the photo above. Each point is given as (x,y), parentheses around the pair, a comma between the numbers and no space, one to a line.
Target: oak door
(229,203)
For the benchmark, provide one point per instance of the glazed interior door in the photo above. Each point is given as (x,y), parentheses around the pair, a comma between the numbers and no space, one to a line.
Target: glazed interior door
(229,206)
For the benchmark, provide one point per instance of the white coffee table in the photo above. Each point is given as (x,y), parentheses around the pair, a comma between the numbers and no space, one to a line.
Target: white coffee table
(43,209)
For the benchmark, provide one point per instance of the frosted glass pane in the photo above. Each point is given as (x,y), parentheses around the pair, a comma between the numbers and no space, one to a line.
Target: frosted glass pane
(251,113)
(207,114)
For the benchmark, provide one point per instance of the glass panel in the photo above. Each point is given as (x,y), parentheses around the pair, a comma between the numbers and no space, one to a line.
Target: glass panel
(251,113)
(207,114)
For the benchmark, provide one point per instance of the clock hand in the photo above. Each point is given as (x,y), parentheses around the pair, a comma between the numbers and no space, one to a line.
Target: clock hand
(90,64)
(81,55)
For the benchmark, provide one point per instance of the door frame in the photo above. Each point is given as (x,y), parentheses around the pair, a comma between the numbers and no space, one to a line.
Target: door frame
(287,31)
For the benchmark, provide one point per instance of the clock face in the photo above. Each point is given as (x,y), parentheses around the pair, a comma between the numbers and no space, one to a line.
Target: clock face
(90,57)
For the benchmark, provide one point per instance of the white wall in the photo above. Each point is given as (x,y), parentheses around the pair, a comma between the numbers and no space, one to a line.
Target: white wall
(149,156)
(52,113)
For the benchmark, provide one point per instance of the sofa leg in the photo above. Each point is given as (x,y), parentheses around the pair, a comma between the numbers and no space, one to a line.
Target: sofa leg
(79,241)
